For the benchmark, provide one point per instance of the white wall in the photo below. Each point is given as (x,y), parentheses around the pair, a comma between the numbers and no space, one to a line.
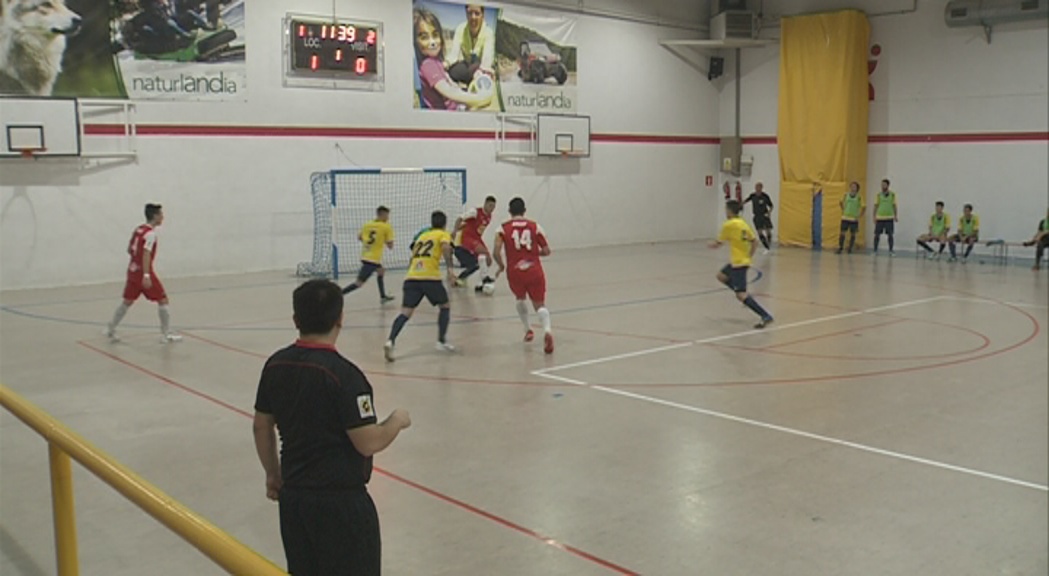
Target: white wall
(238,204)
(931,80)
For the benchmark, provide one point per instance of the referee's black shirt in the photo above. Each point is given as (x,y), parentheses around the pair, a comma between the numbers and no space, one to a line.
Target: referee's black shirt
(315,395)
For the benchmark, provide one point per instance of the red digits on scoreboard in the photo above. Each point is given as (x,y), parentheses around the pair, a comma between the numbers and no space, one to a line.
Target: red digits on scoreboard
(360,66)
(372,37)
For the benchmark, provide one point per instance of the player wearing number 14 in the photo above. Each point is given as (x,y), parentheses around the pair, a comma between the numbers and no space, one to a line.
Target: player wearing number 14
(525,243)
(374,236)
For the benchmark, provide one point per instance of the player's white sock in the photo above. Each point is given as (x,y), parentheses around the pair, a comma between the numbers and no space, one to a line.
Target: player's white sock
(165,319)
(522,311)
(544,317)
(117,317)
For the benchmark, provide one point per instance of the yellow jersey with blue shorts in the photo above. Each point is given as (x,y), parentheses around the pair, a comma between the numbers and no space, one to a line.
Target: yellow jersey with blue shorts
(374,236)
(740,237)
(427,253)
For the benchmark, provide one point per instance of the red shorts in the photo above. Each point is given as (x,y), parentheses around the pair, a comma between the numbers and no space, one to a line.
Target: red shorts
(133,289)
(475,246)
(530,283)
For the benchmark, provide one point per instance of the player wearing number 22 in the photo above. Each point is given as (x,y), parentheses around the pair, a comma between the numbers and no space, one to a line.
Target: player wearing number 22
(742,241)
(525,243)
(374,236)
(424,280)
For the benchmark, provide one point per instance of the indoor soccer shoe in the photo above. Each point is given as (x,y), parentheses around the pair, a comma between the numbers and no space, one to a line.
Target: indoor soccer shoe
(444,347)
(170,337)
(112,335)
(386,299)
(529,336)
(548,343)
(387,350)
(763,323)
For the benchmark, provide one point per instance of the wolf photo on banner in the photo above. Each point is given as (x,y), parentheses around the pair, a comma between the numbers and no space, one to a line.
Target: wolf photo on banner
(480,57)
(140,49)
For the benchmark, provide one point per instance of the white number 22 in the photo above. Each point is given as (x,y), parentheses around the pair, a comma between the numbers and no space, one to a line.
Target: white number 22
(523,238)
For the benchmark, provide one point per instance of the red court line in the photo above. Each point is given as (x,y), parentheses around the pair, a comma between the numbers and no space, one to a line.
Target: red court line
(439,495)
(838,333)
(165,379)
(511,525)
(1034,334)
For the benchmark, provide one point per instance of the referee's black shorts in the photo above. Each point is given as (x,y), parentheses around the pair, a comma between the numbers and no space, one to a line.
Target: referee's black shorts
(330,532)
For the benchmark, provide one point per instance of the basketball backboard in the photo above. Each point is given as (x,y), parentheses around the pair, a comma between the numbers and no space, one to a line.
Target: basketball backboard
(563,134)
(47,126)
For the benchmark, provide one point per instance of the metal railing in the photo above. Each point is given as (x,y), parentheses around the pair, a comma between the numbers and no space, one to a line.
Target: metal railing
(63,444)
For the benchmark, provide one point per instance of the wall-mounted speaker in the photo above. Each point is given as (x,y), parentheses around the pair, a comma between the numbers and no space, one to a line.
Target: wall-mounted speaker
(716,68)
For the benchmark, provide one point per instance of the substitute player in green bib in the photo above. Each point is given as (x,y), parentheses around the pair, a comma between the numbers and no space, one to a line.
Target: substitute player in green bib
(742,241)
(375,236)
(968,233)
(939,226)
(424,281)
(886,215)
(853,207)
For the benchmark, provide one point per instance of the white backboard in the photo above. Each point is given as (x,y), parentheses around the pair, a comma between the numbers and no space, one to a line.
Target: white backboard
(561,133)
(49,123)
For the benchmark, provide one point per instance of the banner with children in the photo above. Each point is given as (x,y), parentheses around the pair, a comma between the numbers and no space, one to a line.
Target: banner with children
(478,57)
(137,49)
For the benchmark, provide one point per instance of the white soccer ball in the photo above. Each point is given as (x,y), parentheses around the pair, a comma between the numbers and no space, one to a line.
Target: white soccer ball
(488,288)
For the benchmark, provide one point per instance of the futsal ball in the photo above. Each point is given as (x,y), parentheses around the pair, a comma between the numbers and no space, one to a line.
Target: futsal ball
(488,288)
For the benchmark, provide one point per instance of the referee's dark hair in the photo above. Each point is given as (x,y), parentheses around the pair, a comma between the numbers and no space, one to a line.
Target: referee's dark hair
(517,207)
(438,220)
(151,211)
(317,305)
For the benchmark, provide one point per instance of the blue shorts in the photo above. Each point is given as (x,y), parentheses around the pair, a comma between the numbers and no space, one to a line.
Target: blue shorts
(466,258)
(367,269)
(737,277)
(416,290)
(886,226)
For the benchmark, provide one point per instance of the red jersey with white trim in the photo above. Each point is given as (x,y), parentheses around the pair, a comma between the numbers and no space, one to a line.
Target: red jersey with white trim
(143,238)
(523,239)
(475,222)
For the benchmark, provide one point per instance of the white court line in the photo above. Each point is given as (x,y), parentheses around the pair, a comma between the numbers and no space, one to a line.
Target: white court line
(545,372)
(821,438)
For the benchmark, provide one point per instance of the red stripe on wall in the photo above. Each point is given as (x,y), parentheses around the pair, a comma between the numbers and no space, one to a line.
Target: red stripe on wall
(960,138)
(218,130)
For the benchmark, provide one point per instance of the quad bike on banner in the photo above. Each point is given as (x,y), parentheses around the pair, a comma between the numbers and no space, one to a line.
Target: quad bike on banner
(185,37)
(538,62)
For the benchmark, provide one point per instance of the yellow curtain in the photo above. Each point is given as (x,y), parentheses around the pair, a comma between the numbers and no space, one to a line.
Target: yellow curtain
(822,133)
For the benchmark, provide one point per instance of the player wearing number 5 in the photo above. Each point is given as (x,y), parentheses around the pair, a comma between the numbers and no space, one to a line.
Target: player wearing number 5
(374,236)
(424,280)
(742,241)
(525,243)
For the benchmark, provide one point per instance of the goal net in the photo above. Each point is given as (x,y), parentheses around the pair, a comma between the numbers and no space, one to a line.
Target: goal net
(343,200)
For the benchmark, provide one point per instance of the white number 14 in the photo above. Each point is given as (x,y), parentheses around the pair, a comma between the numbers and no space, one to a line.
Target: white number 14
(523,238)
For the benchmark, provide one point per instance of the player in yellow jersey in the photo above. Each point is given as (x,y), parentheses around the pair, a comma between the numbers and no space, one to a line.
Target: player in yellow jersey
(742,242)
(968,233)
(374,236)
(424,280)
(1041,240)
(939,227)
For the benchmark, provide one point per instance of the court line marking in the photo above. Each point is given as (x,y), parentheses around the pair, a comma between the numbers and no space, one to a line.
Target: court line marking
(821,438)
(461,504)
(545,372)
(775,427)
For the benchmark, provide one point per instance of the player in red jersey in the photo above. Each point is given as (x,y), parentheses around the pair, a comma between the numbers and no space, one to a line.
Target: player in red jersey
(524,243)
(141,277)
(469,243)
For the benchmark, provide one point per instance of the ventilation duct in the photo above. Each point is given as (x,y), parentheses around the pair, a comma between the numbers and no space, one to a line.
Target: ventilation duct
(988,13)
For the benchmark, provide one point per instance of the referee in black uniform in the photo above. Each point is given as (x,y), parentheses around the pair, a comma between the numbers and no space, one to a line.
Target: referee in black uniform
(323,406)
(762,204)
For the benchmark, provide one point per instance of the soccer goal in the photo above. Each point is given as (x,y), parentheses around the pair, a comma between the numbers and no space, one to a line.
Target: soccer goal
(343,200)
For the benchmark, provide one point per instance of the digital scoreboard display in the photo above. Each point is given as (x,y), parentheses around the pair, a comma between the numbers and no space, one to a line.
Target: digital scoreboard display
(340,49)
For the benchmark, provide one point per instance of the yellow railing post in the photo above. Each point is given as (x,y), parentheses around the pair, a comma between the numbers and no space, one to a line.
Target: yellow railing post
(64,511)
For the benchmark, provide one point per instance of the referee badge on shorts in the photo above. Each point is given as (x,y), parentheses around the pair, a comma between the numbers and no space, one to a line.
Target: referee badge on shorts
(364,406)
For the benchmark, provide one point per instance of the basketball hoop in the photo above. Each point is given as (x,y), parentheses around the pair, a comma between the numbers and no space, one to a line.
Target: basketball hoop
(31,152)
